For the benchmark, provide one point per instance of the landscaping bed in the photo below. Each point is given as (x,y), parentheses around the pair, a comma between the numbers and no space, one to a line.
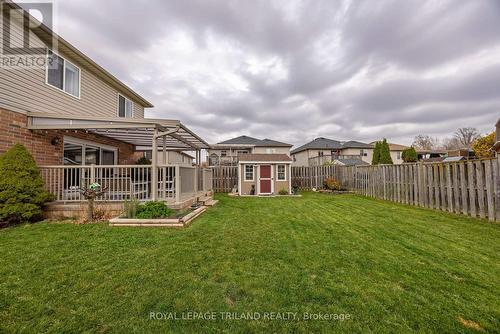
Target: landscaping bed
(155,214)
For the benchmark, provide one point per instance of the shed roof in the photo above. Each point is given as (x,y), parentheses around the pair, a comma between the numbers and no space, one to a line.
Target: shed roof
(352,162)
(261,157)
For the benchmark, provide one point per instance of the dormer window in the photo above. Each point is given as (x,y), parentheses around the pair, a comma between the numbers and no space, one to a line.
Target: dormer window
(125,107)
(63,75)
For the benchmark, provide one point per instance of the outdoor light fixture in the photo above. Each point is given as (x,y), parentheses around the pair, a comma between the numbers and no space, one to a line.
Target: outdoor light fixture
(55,141)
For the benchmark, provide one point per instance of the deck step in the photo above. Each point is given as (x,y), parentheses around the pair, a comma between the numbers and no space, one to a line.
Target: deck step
(204,199)
(211,202)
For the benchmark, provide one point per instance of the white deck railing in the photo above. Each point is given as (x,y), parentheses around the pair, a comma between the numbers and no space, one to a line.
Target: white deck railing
(125,182)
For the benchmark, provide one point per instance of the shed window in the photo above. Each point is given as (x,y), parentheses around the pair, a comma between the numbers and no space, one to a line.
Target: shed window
(281,173)
(248,172)
(124,107)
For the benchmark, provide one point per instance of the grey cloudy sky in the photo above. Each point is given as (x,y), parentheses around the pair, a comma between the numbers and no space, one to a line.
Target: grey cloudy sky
(296,70)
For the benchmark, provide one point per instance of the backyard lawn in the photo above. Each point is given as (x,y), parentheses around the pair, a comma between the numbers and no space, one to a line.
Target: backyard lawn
(386,267)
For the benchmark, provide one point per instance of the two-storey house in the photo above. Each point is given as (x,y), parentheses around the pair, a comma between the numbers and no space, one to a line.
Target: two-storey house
(226,153)
(76,118)
(322,151)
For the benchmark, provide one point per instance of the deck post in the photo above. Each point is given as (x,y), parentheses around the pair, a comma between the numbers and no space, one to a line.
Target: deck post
(92,173)
(164,150)
(154,165)
(177,183)
(196,178)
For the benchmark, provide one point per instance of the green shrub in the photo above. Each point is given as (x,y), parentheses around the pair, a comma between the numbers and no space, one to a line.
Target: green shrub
(143,161)
(332,184)
(130,208)
(382,153)
(21,187)
(385,153)
(410,155)
(283,192)
(153,210)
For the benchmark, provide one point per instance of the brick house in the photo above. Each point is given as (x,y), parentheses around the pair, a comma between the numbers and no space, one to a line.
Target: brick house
(82,124)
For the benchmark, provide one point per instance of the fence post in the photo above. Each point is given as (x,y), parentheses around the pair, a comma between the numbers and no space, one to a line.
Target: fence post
(497,187)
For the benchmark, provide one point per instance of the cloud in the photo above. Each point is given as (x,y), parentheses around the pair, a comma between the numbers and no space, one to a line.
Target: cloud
(294,70)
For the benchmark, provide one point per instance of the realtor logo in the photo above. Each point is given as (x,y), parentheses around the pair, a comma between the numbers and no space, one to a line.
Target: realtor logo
(18,23)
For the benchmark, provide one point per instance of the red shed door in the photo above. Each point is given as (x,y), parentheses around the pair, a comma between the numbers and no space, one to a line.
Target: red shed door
(265,179)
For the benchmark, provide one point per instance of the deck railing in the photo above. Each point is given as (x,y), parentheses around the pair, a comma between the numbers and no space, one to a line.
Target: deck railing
(125,182)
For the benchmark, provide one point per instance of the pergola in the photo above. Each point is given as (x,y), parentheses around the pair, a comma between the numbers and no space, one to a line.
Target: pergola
(138,132)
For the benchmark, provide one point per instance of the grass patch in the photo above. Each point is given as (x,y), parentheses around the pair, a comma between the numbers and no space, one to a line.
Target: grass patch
(393,268)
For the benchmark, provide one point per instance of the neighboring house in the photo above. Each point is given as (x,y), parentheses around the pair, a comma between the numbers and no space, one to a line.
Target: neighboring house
(264,174)
(227,152)
(74,114)
(396,152)
(171,156)
(322,151)
(431,155)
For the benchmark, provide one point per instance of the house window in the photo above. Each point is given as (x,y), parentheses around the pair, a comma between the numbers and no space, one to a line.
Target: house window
(241,152)
(363,153)
(223,153)
(248,172)
(281,173)
(125,107)
(270,150)
(398,156)
(63,75)
(80,152)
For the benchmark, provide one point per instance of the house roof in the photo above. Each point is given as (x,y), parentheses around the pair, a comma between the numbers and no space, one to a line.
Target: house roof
(322,143)
(46,34)
(393,146)
(352,162)
(261,157)
(251,141)
(453,159)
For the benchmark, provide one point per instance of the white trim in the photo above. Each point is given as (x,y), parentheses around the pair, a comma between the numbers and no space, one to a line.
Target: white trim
(245,173)
(84,143)
(277,173)
(118,106)
(64,75)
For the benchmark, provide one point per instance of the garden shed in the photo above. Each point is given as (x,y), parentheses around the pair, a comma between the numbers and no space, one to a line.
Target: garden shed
(264,174)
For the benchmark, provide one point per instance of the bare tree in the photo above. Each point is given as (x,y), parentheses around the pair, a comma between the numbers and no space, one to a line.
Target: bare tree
(466,136)
(425,142)
(451,143)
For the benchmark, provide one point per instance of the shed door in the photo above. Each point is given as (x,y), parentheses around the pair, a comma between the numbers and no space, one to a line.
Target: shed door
(265,179)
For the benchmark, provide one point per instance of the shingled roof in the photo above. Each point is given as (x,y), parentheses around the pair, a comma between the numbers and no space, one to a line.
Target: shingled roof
(261,157)
(251,141)
(330,144)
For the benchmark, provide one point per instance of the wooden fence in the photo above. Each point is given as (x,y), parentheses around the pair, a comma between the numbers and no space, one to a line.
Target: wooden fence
(469,187)
(225,178)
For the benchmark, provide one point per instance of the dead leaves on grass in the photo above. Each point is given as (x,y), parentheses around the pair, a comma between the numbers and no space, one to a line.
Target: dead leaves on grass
(470,324)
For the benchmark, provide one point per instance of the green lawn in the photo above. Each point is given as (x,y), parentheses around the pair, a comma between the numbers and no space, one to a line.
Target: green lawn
(391,268)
